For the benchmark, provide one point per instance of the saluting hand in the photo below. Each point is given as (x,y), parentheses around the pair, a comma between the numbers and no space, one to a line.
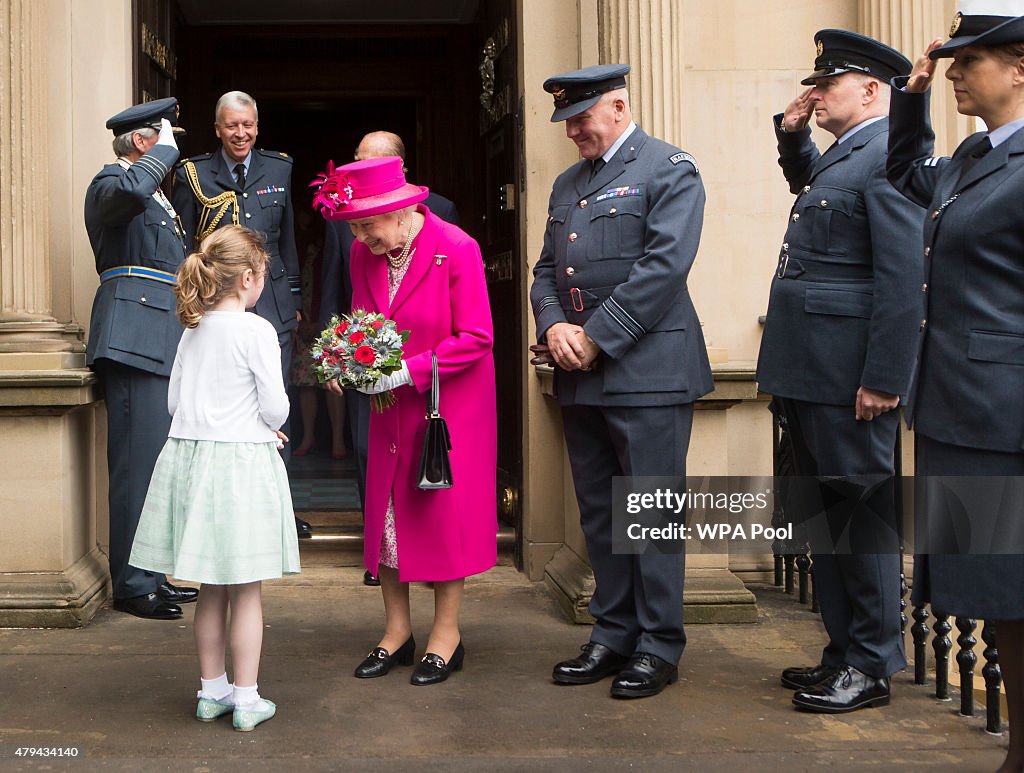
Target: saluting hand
(921,76)
(798,112)
(872,403)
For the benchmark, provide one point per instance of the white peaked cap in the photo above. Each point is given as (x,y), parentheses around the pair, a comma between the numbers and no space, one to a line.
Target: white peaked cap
(991,7)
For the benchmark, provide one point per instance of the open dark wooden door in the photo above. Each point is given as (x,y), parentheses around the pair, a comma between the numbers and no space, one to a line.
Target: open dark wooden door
(499,240)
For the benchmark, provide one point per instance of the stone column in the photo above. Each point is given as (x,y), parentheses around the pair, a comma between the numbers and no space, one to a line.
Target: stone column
(648,36)
(909,26)
(52,572)
(30,338)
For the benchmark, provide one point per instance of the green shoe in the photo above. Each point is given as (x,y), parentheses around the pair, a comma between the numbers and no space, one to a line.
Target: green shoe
(208,709)
(245,719)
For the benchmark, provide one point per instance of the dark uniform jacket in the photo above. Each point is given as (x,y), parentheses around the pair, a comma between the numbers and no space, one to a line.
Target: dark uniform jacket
(843,310)
(617,252)
(970,376)
(336,280)
(133,318)
(265,206)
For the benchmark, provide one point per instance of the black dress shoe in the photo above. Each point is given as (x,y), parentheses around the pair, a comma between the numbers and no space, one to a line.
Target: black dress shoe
(302,528)
(593,664)
(176,594)
(149,606)
(380,661)
(432,668)
(847,690)
(371,579)
(798,678)
(643,676)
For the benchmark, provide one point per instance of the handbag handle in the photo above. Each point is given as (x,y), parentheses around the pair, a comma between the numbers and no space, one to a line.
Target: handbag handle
(435,391)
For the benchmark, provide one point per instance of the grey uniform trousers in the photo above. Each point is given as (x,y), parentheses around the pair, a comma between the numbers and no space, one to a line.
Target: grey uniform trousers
(638,599)
(137,427)
(859,593)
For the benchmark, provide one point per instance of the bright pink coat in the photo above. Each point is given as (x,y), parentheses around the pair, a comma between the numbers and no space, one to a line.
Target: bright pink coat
(451,533)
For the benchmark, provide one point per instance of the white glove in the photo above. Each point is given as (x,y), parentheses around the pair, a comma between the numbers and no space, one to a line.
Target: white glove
(166,134)
(387,383)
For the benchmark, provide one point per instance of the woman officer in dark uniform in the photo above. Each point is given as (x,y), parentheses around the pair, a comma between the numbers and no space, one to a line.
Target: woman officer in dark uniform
(967,398)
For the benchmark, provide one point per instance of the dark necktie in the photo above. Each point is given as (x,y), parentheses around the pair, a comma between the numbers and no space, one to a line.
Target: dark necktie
(240,176)
(983,148)
(598,165)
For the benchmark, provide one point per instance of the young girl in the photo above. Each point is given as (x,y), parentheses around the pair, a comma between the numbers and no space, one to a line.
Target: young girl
(219,510)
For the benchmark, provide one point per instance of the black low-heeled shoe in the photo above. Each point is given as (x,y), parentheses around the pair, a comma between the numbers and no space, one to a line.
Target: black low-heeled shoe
(380,661)
(432,668)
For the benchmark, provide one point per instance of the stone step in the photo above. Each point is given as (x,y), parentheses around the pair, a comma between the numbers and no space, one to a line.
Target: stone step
(343,530)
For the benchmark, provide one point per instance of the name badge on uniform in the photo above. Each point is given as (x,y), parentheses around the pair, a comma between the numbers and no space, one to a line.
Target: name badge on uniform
(678,158)
(270,189)
(614,193)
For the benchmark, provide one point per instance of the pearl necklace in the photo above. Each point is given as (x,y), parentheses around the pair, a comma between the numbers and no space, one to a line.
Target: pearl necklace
(397,264)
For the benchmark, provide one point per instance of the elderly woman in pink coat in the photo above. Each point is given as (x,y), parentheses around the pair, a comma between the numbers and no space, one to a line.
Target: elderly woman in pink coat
(428,276)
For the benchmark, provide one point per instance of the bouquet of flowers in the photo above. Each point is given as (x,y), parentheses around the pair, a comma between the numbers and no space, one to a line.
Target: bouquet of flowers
(357,349)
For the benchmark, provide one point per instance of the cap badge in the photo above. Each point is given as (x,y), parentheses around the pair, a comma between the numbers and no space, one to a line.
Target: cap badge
(956,23)
(559,96)
(821,48)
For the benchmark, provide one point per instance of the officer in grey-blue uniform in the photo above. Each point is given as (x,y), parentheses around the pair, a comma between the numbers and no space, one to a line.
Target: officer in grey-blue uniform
(261,200)
(238,183)
(614,315)
(837,351)
(134,332)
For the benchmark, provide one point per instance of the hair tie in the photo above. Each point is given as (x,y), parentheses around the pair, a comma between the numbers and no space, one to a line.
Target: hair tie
(202,255)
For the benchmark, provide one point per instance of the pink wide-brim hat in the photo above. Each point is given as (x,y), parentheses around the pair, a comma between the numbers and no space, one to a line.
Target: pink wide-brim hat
(364,188)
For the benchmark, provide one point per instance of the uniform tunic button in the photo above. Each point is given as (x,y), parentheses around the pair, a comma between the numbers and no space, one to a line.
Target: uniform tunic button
(935,215)
(163,222)
(785,245)
(924,324)
(927,251)
(824,202)
(573,237)
(612,211)
(248,214)
(924,287)
(569,271)
(245,195)
(583,204)
(796,216)
(807,189)
(142,299)
(394,448)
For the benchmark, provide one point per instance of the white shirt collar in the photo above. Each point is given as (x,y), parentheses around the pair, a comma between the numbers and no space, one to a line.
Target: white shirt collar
(619,142)
(862,125)
(998,136)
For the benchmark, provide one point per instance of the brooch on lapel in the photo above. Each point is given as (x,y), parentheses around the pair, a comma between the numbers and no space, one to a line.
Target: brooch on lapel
(439,258)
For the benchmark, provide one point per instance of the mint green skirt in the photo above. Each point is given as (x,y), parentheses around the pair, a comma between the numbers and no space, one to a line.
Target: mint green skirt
(219,513)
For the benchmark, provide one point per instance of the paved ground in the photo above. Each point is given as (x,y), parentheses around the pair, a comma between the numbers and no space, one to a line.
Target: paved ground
(122,692)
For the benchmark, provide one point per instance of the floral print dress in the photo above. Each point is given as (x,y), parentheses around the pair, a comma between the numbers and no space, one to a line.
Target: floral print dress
(389,542)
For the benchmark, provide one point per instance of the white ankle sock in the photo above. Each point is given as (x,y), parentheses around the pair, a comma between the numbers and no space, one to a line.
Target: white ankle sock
(218,689)
(247,697)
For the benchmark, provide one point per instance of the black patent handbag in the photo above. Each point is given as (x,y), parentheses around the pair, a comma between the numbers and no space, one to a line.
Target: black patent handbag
(435,470)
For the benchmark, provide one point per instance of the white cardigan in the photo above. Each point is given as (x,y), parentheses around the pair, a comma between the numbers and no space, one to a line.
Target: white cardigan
(226,383)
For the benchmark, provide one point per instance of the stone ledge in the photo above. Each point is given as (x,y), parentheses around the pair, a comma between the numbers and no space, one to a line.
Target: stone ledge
(67,599)
(734,383)
(47,388)
(709,595)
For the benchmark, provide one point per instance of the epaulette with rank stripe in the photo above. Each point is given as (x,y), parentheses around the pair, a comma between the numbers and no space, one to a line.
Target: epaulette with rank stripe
(276,154)
(193,159)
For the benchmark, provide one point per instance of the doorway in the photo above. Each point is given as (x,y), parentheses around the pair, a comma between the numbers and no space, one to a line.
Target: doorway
(325,74)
